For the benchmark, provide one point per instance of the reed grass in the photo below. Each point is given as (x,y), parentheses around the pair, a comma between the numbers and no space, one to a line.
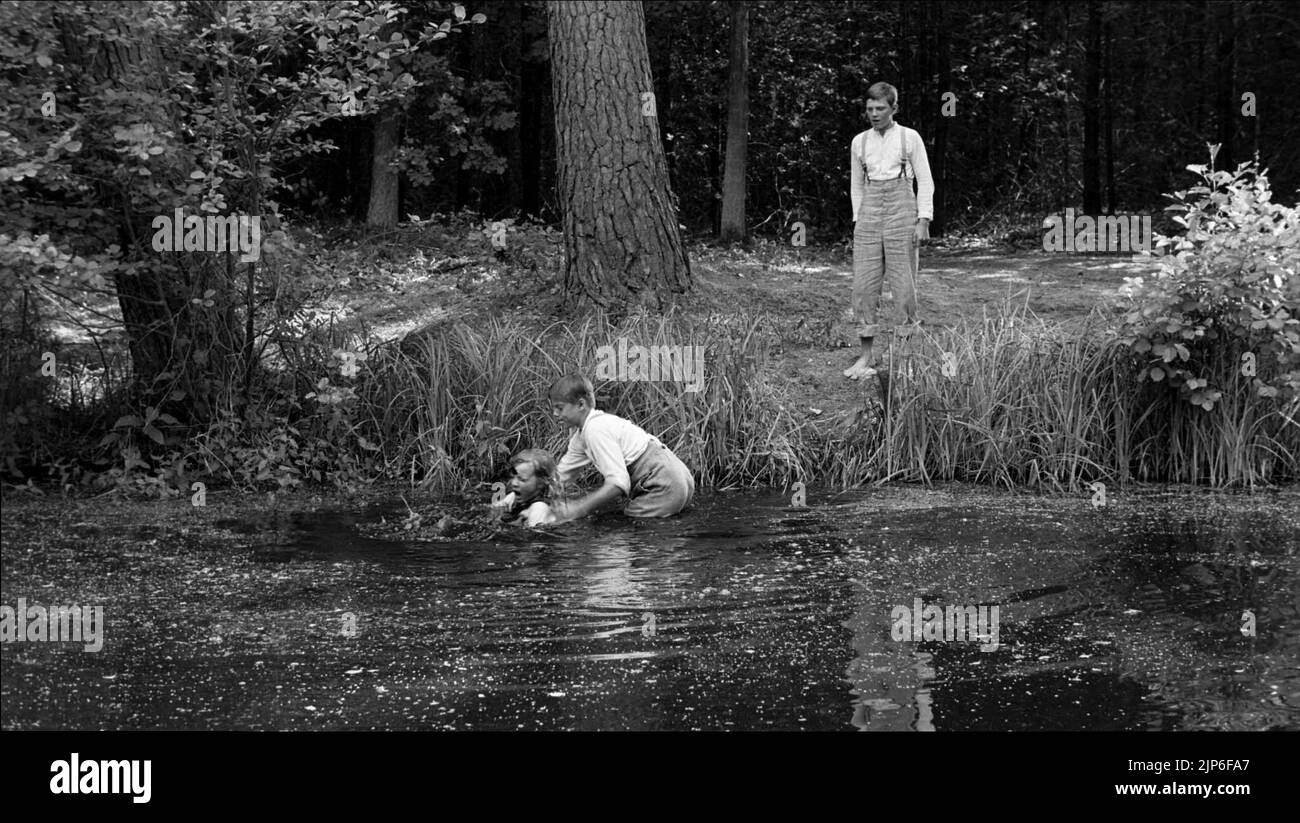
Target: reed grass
(1031,404)
(451,407)
(1037,404)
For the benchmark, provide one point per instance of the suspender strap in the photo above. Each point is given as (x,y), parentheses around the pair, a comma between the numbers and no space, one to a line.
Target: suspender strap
(902,136)
(902,169)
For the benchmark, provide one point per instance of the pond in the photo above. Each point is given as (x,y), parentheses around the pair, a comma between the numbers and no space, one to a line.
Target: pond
(1163,609)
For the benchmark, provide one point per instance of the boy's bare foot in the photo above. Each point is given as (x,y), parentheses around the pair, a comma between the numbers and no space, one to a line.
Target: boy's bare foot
(860,370)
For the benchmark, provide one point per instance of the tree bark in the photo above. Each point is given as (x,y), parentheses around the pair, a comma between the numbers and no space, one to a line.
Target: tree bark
(385,181)
(621,239)
(939,161)
(1092,112)
(153,301)
(1227,105)
(511,16)
(733,176)
(1107,91)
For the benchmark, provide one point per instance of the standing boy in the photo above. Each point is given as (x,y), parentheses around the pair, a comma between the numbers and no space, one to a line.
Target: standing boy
(890,222)
(635,464)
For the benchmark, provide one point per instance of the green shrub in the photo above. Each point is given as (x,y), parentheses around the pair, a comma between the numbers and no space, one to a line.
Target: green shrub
(1223,305)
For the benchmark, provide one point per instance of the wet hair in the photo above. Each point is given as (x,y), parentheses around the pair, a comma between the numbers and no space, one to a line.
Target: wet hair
(544,468)
(573,387)
(883,91)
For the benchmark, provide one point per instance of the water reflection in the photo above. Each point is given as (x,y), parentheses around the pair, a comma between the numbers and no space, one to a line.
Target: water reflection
(763,617)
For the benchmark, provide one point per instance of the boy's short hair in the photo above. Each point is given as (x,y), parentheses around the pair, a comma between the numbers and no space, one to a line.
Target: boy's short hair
(883,91)
(573,387)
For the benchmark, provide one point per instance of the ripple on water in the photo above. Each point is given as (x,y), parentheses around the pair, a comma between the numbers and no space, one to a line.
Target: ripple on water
(742,614)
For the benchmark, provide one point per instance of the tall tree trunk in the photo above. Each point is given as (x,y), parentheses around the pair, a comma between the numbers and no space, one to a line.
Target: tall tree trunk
(1200,20)
(733,180)
(621,240)
(1092,112)
(1108,92)
(939,161)
(1066,192)
(532,87)
(1227,107)
(154,302)
(385,181)
(511,15)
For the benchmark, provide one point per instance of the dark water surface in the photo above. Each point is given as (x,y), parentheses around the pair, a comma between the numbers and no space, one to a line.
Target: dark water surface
(743,614)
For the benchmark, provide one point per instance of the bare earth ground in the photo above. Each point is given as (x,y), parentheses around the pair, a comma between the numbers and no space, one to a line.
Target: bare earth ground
(414,278)
(806,291)
(951,284)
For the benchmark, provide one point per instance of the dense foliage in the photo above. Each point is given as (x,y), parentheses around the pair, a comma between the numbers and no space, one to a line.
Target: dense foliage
(137,367)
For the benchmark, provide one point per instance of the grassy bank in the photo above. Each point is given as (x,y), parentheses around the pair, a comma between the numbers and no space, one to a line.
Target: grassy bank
(432,371)
(1007,399)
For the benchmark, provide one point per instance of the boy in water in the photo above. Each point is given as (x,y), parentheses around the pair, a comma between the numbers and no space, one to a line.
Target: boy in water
(636,466)
(530,489)
(890,222)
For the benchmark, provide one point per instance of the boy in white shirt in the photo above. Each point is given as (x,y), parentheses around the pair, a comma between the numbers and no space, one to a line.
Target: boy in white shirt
(890,222)
(636,466)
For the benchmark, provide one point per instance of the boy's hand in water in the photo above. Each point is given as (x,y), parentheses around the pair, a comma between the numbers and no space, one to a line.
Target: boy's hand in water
(505,503)
(562,511)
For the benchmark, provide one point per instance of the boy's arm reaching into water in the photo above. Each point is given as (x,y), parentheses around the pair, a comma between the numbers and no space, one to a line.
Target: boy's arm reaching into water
(578,509)
(575,458)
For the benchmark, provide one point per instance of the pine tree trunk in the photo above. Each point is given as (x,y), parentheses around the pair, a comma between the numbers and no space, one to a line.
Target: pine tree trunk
(621,239)
(733,179)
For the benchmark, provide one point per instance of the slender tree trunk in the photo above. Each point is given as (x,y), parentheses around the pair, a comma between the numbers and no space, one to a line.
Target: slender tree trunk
(532,85)
(1092,112)
(511,58)
(1067,142)
(1106,83)
(385,181)
(1200,19)
(1227,106)
(733,180)
(939,158)
(621,239)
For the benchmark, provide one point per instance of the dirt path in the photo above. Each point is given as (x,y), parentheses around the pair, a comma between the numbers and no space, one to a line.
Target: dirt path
(806,290)
(812,294)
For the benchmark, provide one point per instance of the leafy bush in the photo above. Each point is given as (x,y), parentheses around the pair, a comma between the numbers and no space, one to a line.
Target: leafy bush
(1225,301)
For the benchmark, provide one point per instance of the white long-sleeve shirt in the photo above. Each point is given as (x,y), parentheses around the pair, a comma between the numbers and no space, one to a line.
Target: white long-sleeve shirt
(883,156)
(609,442)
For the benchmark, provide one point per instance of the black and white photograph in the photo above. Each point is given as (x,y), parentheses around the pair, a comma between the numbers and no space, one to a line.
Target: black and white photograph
(670,366)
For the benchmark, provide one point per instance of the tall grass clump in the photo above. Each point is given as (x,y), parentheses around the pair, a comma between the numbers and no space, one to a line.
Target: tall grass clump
(449,407)
(1005,399)
(1198,382)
